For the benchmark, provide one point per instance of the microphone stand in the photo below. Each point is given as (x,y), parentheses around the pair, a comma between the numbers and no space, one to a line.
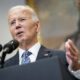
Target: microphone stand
(3,59)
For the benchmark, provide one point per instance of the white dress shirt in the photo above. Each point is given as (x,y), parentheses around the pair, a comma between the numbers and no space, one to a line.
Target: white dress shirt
(34,50)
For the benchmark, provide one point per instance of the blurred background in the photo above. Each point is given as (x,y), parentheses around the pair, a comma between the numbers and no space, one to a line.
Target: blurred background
(58,18)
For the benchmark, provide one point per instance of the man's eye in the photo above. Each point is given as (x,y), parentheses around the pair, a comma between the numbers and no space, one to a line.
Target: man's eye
(22,19)
(12,22)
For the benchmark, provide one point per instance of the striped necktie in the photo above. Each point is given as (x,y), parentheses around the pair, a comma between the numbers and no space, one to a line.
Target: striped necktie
(25,57)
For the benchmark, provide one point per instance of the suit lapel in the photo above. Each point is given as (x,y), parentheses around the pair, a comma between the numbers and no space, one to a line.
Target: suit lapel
(12,61)
(47,53)
(43,53)
(16,58)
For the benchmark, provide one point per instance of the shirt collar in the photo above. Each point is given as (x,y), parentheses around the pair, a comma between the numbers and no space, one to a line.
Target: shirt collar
(34,49)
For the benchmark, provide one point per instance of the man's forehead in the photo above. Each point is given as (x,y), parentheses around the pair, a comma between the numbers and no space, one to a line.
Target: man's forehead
(19,13)
(19,10)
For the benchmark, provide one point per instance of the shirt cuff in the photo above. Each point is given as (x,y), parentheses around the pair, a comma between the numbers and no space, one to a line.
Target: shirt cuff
(75,73)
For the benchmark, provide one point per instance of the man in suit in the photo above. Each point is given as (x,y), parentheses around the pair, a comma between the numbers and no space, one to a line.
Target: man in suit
(24,26)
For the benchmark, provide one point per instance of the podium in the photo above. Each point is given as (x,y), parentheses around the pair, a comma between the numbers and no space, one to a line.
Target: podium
(45,69)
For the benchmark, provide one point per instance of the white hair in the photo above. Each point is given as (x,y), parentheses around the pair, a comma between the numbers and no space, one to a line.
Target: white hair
(34,15)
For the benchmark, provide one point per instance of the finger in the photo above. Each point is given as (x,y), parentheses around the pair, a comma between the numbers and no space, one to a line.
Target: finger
(72,46)
(73,52)
(69,48)
(72,58)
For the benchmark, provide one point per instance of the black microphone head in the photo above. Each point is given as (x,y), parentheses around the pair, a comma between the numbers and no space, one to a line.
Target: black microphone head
(10,46)
(0,47)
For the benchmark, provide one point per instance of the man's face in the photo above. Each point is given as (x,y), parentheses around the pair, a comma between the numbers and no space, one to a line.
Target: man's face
(21,25)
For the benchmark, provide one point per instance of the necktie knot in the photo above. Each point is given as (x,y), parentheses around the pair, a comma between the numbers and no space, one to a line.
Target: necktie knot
(25,57)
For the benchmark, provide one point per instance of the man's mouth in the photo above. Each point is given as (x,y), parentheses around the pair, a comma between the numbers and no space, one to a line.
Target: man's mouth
(19,33)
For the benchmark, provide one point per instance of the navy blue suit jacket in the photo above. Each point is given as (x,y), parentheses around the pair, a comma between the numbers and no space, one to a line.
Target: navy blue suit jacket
(43,53)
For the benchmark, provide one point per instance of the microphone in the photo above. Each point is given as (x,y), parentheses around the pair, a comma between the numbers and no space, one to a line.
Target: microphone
(0,47)
(7,49)
(10,46)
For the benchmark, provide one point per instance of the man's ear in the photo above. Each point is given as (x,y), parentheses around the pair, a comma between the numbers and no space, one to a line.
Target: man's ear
(38,26)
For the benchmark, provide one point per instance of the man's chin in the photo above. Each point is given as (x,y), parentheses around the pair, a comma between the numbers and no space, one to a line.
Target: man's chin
(21,40)
(18,39)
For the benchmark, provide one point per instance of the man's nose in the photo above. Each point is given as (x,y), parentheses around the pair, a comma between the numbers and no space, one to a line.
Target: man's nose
(18,25)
